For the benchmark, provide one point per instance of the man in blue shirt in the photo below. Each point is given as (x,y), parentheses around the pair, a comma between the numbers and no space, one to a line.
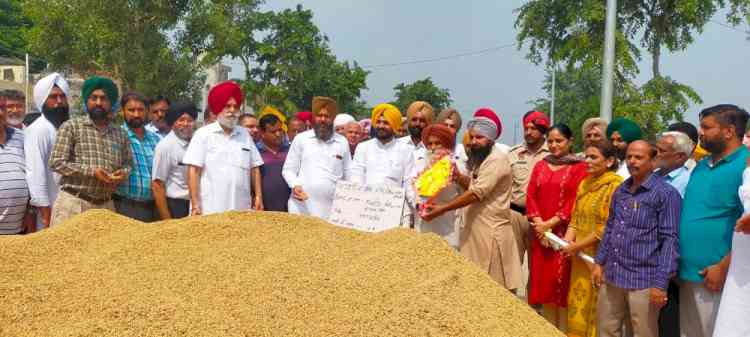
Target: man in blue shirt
(638,253)
(711,208)
(134,197)
(674,150)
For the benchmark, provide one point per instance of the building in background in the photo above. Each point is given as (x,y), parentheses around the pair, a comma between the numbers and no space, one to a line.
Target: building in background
(215,74)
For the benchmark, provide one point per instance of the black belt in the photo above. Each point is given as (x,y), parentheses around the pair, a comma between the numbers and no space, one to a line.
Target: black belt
(84,196)
(518,209)
(120,198)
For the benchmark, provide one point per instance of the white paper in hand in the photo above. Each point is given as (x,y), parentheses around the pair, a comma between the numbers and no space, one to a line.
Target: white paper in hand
(559,243)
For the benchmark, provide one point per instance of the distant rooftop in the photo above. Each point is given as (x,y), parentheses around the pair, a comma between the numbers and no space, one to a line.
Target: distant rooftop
(7,61)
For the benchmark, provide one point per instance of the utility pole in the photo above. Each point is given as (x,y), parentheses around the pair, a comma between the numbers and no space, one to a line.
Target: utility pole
(608,66)
(26,86)
(554,82)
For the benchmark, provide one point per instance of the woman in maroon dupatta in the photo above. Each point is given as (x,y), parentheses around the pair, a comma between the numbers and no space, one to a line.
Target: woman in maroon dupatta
(550,198)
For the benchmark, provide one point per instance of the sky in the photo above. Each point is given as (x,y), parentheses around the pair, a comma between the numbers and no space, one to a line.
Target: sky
(376,32)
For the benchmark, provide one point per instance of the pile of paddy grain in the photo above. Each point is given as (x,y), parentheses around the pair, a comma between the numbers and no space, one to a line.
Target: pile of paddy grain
(246,274)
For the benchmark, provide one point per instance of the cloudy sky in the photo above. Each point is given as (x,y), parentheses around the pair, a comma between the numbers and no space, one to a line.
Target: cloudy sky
(377,32)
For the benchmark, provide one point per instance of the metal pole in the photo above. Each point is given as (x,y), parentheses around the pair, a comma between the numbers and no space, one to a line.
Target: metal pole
(26,87)
(608,66)
(552,108)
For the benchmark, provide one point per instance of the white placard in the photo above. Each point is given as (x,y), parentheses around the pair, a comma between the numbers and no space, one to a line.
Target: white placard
(367,208)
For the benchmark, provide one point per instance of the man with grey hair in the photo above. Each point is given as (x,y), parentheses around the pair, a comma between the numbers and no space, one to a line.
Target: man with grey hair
(15,108)
(673,151)
(594,131)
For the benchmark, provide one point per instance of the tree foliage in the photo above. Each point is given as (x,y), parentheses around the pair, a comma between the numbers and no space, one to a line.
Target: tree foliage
(127,40)
(653,105)
(286,58)
(422,90)
(572,33)
(13,26)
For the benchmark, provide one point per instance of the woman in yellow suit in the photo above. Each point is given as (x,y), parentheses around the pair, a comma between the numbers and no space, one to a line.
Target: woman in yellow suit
(585,230)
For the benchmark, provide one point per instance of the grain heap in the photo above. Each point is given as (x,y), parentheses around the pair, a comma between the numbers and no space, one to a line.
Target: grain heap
(246,274)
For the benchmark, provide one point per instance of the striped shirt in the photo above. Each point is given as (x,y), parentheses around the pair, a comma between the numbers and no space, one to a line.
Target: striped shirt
(138,185)
(639,249)
(14,192)
(81,148)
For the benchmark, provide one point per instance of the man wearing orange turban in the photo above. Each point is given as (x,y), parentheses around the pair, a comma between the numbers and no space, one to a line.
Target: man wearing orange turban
(439,141)
(222,157)
(444,134)
(383,160)
(418,116)
(316,161)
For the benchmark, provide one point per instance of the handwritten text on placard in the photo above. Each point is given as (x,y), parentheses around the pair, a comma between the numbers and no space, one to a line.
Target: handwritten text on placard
(367,208)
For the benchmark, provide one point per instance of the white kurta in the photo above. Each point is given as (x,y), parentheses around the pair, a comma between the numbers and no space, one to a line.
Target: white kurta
(44,184)
(445,225)
(734,310)
(316,166)
(226,162)
(388,164)
(622,170)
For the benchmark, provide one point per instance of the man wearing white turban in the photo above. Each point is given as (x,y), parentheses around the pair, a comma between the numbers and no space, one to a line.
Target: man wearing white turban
(339,123)
(51,99)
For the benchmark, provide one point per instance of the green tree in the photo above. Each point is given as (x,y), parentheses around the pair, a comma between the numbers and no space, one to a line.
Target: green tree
(572,32)
(286,59)
(126,40)
(653,105)
(422,90)
(13,26)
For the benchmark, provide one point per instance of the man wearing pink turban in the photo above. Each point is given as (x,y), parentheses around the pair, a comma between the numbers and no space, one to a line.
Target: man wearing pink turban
(486,239)
(222,158)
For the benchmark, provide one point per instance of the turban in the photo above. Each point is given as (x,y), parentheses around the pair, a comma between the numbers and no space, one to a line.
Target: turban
(422,106)
(699,153)
(178,109)
(95,82)
(269,110)
(450,113)
(391,114)
(538,119)
(366,125)
(342,120)
(220,95)
(490,115)
(628,130)
(445,134)
(595,122)
(320,102)
(305,116)
(43,88)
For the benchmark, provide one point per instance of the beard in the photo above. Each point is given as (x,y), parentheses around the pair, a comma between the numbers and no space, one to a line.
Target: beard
(135,123)
(98,114)
(620,153)
(183,133)
(227,122)
(383,135)
(56,116)
(323,132)
(714,147)
(13,120)
(415,132)
(477,155)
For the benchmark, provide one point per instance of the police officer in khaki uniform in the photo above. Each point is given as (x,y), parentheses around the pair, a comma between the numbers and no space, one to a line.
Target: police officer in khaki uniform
(523,157)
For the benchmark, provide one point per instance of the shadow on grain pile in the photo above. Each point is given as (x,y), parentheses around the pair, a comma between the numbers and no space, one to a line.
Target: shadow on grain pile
(246,274)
